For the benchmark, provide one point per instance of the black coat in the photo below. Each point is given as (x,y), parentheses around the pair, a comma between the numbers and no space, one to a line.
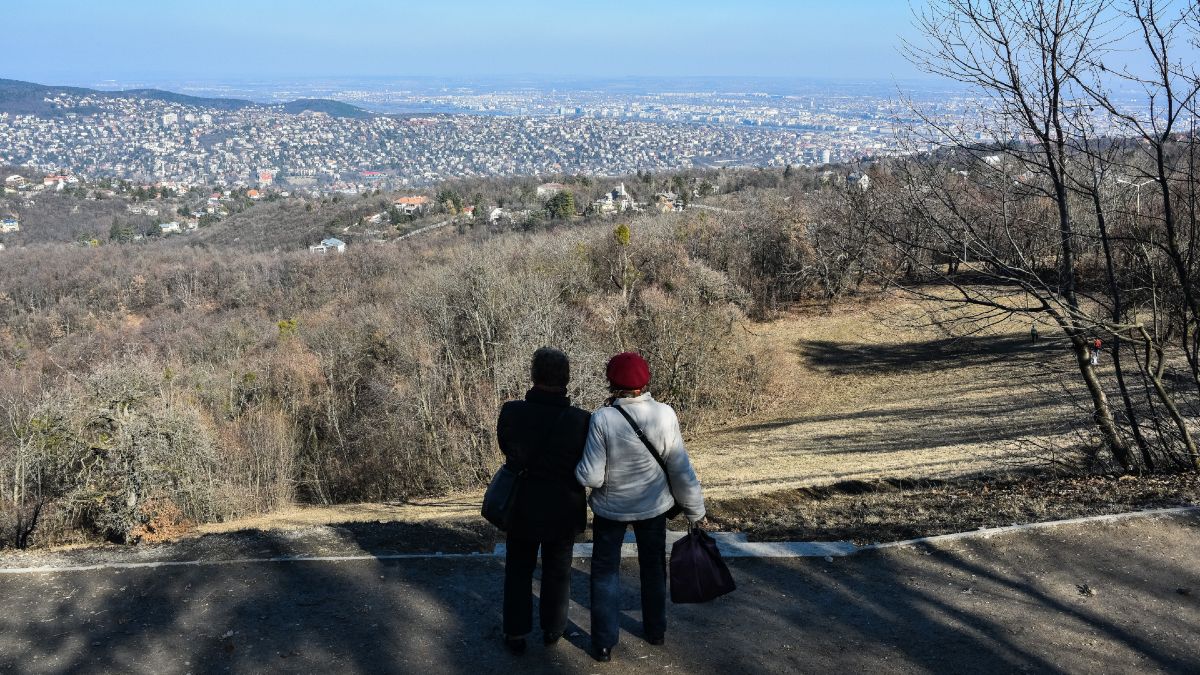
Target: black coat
(544,435)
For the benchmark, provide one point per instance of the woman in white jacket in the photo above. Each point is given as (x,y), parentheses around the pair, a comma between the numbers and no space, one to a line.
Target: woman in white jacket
(630,486)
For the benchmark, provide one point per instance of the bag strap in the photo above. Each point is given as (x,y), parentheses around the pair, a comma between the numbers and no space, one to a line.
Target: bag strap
(649,446)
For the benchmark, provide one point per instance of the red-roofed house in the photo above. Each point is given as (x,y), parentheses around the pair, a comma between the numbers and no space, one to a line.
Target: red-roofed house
(410,205)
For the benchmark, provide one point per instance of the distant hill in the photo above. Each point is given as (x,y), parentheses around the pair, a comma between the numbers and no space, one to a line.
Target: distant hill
(183,99)
(28,98)
(327,106)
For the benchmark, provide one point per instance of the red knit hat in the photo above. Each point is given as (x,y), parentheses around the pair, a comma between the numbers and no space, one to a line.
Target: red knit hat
(628,370)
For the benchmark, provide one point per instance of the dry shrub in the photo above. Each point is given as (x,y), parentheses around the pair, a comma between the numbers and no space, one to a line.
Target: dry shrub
(97,452)
(695,356)
(160,520)
(682,315)
(259,453)
(772,253)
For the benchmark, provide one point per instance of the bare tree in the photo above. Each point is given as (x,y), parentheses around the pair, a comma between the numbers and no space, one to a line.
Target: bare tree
(1023,58)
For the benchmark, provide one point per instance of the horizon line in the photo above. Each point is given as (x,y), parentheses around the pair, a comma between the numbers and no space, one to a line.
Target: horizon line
(182,78)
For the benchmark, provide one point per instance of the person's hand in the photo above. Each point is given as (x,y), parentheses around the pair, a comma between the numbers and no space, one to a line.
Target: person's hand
(695,524)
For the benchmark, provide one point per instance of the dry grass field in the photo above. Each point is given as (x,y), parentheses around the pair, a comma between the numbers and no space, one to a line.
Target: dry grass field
(881,390)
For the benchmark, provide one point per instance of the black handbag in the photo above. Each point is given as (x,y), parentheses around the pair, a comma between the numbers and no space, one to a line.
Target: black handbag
(698,574)
(500,500)
(675,509)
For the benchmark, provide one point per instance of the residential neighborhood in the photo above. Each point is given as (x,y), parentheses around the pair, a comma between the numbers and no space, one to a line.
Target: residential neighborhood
(260,147)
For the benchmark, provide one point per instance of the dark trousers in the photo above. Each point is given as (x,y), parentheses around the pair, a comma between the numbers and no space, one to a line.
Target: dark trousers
(520,559)
(607,536)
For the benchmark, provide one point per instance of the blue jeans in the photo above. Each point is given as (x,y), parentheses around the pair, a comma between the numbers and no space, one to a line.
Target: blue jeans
(607,536)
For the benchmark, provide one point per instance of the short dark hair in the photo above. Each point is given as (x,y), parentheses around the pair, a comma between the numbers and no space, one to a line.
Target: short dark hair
(550,367)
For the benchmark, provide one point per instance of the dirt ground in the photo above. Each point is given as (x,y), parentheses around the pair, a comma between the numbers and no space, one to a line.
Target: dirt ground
(898,510)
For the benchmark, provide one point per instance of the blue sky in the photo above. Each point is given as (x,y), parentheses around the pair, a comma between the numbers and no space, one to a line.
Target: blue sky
(75,42)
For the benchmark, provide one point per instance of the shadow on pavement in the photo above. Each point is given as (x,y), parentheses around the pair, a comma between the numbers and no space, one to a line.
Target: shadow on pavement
(982,606)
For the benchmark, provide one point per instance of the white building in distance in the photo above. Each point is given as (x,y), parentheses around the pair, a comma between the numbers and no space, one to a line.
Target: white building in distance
(328,245)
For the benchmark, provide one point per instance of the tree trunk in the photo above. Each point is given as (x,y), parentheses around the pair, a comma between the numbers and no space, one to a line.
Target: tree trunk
(1134,425)
(1102,413)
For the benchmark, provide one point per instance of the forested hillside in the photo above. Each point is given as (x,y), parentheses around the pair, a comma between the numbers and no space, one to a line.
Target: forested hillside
(224,383)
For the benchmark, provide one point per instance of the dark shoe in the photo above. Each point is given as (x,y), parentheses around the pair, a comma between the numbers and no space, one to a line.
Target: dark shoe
(657,641)
(550,638)
(602,654)
(516,646)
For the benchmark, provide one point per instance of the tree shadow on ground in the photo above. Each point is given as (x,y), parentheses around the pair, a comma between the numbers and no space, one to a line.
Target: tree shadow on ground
(997,417)
(977,607)
(843,358)
(357,616)
(973,607)
(451,536)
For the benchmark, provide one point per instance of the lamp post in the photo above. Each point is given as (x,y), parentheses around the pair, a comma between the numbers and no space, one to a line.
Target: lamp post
(1138,187)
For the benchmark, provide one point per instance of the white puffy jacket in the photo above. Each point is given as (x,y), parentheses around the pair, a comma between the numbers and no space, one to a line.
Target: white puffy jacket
(627,483)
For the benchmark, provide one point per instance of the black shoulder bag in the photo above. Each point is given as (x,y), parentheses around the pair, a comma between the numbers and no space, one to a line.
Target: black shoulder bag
(675,509)
(500,499)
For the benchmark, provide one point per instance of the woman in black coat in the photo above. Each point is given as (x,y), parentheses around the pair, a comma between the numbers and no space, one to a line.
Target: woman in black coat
(543,436)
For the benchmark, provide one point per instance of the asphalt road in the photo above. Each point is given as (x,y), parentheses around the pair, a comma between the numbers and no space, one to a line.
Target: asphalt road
(1120,598)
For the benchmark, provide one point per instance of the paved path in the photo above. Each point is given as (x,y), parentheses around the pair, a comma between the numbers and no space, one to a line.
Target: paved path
(706,207)
(425,229)
(1095,597)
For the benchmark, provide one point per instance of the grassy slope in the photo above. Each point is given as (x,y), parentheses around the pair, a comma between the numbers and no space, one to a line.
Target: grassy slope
(872,390)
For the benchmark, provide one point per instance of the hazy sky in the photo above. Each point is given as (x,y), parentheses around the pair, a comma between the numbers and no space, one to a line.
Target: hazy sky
(76,42)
